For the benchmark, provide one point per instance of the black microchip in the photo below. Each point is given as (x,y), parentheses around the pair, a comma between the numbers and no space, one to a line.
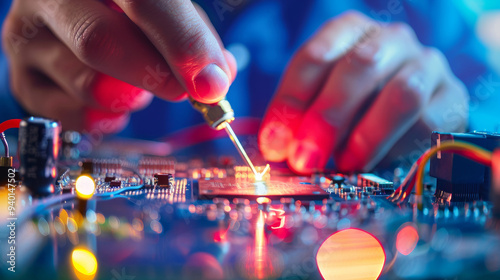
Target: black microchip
(115,183)
(163,180)
(109,179)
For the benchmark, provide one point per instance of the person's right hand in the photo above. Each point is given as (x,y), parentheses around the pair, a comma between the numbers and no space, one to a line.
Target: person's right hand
(84,62)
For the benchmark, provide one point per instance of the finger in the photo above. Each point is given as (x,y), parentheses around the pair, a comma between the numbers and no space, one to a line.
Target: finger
(447,111)
(85,84)
(304,78)
(110,43)
(41,97)
(116,96)
(98,121)
(231,61)
(176,29)
(351,84)
(395,110)
(55,60)
(449,108)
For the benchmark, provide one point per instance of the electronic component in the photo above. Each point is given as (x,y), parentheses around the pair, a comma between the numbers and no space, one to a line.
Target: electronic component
(374,181)
(274,189)
(246,173)
(5,165)
(108,179)
(87,167)
(219,220)
(459,178)
(115,184)
(39,146)
(337,181)
(163,180)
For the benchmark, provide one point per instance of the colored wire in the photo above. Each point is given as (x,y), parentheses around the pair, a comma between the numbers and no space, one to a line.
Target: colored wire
(14,123)
(465,149)
(415,175)
(5,144)
(131,188)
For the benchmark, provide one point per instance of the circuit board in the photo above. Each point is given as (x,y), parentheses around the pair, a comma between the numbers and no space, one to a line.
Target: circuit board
(219,223)
(114,215)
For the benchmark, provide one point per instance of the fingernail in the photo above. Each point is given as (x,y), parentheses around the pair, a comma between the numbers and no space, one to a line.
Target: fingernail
(211,84)
(273,141)
(306,158)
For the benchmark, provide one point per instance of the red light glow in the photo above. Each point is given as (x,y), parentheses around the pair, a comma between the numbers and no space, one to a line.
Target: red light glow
(280,215)
(406,240)
(351,254)
(260,247)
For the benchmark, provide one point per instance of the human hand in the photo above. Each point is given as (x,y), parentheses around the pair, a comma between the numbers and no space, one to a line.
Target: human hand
(354,90)
(85,62)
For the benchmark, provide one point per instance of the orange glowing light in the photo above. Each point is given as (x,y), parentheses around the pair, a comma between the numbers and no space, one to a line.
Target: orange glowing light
(84,264)
(406,240)
(351,254)
(262,200)
(84,187)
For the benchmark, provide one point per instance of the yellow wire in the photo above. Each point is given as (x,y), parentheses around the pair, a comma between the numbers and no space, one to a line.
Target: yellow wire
(447,145)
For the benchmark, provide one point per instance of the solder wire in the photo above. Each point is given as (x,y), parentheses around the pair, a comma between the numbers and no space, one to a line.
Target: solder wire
(240,148)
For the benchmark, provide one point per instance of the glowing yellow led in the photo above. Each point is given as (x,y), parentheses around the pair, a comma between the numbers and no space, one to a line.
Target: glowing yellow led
(84,187)
(84,264)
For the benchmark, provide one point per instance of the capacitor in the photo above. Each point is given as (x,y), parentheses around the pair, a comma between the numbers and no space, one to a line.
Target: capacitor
(39,145)
(5,170)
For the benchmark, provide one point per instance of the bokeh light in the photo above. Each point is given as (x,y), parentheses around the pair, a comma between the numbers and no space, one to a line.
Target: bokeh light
(84,187)
(351,254)
(406,240)
(84,264)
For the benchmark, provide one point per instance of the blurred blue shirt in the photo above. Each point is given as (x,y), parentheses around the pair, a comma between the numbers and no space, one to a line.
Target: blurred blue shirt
(263,35)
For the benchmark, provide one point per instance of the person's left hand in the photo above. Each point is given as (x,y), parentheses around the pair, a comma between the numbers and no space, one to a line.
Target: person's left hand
(355,90)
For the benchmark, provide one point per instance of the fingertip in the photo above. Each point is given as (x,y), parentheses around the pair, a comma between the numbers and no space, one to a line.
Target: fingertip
(211,84)
(274,138)
(112,94)
(305,157)
(142,100)
(97,121)
(180,98)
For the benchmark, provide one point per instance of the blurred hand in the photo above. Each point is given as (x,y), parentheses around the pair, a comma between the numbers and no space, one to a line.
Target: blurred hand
(355,90)
(84,62)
